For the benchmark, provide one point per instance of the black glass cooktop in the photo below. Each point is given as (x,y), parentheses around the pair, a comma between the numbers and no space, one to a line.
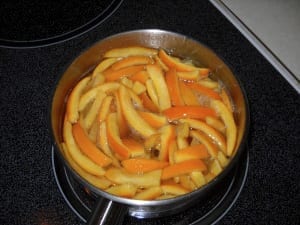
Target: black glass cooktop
(28,23)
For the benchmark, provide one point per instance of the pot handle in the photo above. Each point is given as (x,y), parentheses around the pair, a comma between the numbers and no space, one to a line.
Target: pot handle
(107,212)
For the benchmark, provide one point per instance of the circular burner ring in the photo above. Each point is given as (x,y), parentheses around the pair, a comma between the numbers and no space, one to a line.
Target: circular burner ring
(215,207)
(67,35)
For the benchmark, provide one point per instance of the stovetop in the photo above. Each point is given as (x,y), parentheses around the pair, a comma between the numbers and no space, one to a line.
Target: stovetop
(29,192)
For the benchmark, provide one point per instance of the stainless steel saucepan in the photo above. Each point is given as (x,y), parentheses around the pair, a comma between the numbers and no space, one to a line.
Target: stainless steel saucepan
(111,209)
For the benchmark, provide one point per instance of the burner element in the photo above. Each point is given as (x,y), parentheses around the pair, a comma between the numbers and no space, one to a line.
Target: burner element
(39,23)
(208,211)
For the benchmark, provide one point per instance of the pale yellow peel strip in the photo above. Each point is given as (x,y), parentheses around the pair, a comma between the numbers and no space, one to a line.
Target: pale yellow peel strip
(231,129)
(73,101)
(132,116)
(83,161)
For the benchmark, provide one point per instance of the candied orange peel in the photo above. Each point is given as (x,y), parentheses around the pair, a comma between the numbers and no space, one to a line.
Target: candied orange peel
(148,125)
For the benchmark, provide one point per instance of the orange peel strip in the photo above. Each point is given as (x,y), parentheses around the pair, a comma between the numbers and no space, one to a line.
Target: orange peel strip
(204,139)
(188,95)
(113,137)
(113,75)
(135,148)
(204,90)
(168,134)
(142,165)
(148,103)
(173,63)
(208,130)
(82,160)
(173,87)
(73,100)
(149,193)
(141,76)
(130,51)
(155,120)
(191,152)
(157,76)
(97,181)
(123,190)
(88,147)
(228,120)
(131,61)
(181,168)
(193,112)
(132,116)
(121,176)
(103,65)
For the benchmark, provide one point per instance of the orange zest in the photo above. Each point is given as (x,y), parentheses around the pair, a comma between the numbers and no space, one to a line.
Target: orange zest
(173,87)
(181,168)
(142,165)
(113,75)
(193,112)
(203,90)
(88,147)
